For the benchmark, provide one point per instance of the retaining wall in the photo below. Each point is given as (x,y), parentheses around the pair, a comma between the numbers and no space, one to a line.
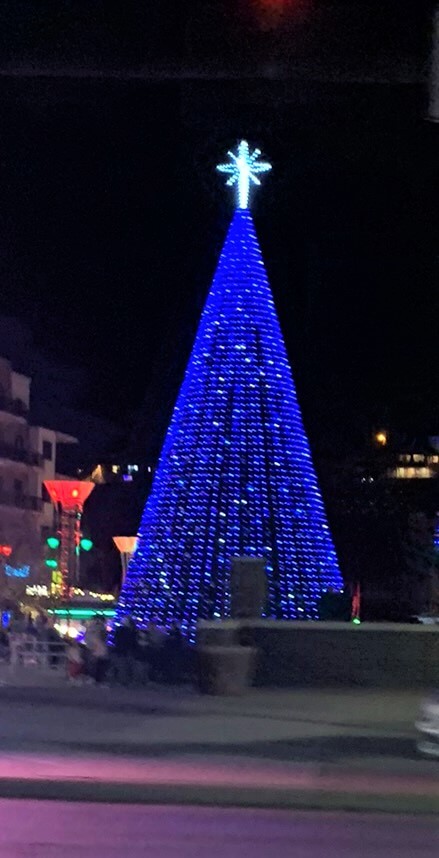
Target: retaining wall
(318,654)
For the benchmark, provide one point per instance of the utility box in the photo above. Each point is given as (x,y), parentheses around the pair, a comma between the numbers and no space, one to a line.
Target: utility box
(248,586)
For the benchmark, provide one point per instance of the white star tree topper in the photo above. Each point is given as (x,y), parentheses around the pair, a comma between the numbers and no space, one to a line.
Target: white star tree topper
(243,171)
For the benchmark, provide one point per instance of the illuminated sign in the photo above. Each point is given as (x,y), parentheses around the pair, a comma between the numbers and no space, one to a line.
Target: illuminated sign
(17,571)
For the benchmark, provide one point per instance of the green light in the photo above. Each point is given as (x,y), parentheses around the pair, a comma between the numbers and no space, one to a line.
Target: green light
(82,613)
(356,621)
(86,544)
(52,563)
(52,541)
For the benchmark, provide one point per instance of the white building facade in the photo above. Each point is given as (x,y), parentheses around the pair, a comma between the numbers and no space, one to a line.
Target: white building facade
(27,458)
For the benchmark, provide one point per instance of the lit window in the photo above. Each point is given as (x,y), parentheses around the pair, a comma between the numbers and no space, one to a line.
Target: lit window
(418,457)
(115,469)
(412,473)
(433,460)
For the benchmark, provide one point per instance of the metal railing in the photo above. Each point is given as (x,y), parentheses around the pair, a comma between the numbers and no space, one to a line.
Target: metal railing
(20,454)
(28,651)
(13,406)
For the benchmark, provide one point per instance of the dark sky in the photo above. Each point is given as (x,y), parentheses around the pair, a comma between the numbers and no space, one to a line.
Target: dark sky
(112,217)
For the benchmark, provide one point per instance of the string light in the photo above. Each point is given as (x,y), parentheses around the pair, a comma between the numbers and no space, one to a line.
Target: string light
(235,476)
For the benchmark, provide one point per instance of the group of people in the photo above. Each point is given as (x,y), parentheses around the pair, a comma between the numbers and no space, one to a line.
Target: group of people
(133,657)
(25,639)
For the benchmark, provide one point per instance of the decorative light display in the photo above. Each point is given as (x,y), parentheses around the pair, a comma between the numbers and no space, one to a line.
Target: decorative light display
(68,497)
(235,476)
(39,590)
(6,550)
(243,169)
(82,613)
(17,571)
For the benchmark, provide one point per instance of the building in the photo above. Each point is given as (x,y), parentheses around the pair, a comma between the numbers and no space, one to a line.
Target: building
(27,457)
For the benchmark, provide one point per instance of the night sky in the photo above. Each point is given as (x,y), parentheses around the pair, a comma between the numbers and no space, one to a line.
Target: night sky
(112,219)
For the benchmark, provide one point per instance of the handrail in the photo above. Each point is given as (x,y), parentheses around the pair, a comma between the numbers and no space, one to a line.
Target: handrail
(28,650)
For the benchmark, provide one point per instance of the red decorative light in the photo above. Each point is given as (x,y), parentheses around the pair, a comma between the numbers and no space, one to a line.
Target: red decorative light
(6,550)
(71,494)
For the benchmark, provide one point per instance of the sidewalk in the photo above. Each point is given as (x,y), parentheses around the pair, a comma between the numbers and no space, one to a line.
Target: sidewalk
(352,749)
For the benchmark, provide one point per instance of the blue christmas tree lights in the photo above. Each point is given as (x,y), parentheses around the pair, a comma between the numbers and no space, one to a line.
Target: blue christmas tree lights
(235,476)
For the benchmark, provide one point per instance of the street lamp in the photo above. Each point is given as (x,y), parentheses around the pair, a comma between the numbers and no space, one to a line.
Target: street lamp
(127,546)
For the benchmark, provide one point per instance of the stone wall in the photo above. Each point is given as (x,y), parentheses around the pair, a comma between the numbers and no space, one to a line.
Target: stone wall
(318,654)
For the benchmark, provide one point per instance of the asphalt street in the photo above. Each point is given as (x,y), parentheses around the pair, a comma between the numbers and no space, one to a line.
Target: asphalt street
(40,829)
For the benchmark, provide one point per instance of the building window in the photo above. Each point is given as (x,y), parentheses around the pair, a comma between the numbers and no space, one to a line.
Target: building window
(424,473)
(417,457)
(412,473)
(47,450)
(18,487)
(404,457)
(433,460)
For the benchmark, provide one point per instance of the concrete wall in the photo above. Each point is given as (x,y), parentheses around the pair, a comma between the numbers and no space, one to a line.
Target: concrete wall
(375,655)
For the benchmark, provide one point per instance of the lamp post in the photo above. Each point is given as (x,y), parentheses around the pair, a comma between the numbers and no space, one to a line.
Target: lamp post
(126,546)
(68,497)
(433,101)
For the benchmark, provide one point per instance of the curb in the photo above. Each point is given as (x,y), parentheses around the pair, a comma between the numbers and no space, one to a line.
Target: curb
(208,795)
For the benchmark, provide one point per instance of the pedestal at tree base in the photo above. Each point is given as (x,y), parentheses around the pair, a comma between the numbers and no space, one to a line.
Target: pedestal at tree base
(225,669)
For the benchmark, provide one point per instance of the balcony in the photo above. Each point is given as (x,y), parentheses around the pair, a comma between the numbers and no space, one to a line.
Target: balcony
(26,502)
(13,406)
(20,454)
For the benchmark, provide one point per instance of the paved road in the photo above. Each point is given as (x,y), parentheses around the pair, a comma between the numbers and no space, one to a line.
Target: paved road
(303,725)
(39,829)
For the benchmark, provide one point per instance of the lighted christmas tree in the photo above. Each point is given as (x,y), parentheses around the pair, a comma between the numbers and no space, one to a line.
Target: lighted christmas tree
(235,476)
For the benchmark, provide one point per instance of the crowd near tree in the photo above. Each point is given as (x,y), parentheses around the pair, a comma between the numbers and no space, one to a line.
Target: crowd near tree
(132,656)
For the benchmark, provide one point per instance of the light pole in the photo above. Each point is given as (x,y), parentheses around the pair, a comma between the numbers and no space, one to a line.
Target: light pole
(433,99)
(127,546)
(68,497)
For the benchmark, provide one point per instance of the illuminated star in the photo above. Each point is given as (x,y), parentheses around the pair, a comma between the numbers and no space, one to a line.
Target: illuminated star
(243,169)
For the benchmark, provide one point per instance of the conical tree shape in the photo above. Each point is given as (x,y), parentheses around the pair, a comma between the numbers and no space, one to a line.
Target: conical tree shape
(235,477)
